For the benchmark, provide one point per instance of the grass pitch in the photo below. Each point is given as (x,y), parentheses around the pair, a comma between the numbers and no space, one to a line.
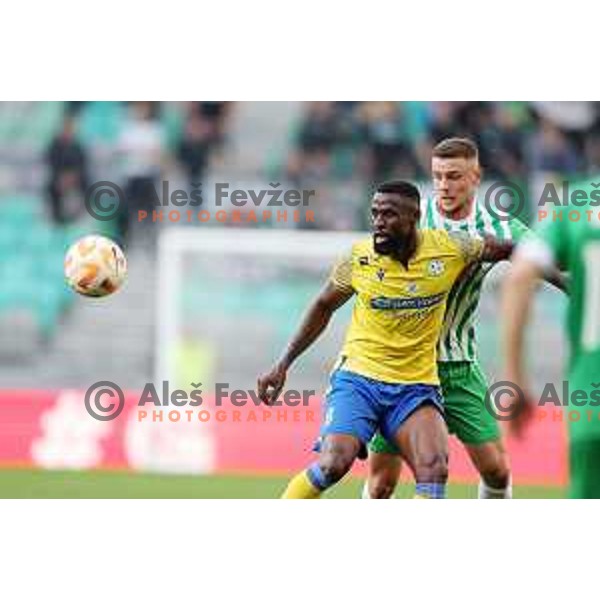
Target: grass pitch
(26,483)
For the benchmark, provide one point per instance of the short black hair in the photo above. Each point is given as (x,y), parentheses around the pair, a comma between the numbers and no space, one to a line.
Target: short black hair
(400,187)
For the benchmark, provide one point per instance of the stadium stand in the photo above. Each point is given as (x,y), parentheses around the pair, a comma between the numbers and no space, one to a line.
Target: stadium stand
(337,148)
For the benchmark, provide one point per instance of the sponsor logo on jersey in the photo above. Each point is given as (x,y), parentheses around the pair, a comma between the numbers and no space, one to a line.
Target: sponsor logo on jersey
(385,303)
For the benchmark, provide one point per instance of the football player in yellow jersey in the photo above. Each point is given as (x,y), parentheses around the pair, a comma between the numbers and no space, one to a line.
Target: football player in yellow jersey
(386,377)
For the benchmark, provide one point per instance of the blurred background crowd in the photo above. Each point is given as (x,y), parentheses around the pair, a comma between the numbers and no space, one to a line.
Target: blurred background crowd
(379,140)
(52,152)
(524,142)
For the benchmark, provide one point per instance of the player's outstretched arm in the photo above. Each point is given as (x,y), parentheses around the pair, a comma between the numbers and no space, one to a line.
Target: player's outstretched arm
(517,297)
(495,250)
(313,324)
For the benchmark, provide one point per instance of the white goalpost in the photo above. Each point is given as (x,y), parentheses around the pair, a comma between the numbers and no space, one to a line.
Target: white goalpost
(224,290)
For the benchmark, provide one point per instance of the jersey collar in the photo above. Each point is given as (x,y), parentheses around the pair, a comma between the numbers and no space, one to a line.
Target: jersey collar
(469,219)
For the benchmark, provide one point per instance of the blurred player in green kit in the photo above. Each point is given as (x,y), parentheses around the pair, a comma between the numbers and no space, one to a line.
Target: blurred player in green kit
(572,242)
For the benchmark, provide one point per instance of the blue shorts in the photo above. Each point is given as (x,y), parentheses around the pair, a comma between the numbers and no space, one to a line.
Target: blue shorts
(359,406)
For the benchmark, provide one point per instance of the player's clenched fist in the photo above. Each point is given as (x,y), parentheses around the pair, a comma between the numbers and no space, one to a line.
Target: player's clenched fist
(271,384)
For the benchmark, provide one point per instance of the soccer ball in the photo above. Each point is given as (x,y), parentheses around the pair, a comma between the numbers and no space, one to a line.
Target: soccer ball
(95,266)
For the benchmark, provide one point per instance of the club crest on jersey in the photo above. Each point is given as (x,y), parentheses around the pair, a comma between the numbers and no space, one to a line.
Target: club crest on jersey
(436,267)
(380,274)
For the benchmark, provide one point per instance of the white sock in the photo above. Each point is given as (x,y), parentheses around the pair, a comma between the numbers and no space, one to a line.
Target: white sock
(365,492)
(488,493)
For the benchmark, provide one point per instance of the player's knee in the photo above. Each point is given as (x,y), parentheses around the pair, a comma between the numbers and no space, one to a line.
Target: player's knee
(381,487)
(432,467)
(497,475)
(336,463)
(382,483)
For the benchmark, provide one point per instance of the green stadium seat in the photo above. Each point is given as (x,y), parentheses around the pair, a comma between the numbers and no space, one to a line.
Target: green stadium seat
(20,209)
(31,261)
(100,122)
(172,120)
(10,240)
(39,124)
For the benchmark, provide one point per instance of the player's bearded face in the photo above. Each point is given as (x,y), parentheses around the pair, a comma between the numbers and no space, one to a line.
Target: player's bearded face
(394,222)
(455,181)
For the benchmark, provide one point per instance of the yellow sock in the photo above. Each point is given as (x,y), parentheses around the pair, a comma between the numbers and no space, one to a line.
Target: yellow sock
(300,487)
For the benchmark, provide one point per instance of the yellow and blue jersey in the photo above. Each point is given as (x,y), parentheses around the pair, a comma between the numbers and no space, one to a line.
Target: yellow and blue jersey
(398,312)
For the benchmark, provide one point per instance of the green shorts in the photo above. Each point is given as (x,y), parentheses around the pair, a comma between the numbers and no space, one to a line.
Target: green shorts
(584,458)
(584,439)
(464,387)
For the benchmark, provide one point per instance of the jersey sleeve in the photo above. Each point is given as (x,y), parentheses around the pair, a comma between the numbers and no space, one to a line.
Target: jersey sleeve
(519,231)
(341,274)
(548,247)
(554,234)
(469,247)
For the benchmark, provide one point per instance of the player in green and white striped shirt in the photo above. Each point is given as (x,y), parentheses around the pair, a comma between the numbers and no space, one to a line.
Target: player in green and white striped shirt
(456,176)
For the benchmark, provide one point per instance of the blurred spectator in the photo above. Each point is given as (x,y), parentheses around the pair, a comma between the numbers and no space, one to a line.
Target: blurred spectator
(495,129)
(592,154)
(551,152)
(308,168)
(386,139)
(316,138)
(591,144)
(319,128)
(74,107)
(445,121)
(141,146)
(509,154)
(67,163)
(215,115)
(195,146)
(571,116)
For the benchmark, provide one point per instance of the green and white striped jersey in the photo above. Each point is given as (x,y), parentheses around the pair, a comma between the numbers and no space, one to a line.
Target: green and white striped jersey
(458,340)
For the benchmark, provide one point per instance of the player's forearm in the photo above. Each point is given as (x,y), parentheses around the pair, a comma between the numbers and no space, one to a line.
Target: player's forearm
(495,250)
(313,324)
(517,294)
